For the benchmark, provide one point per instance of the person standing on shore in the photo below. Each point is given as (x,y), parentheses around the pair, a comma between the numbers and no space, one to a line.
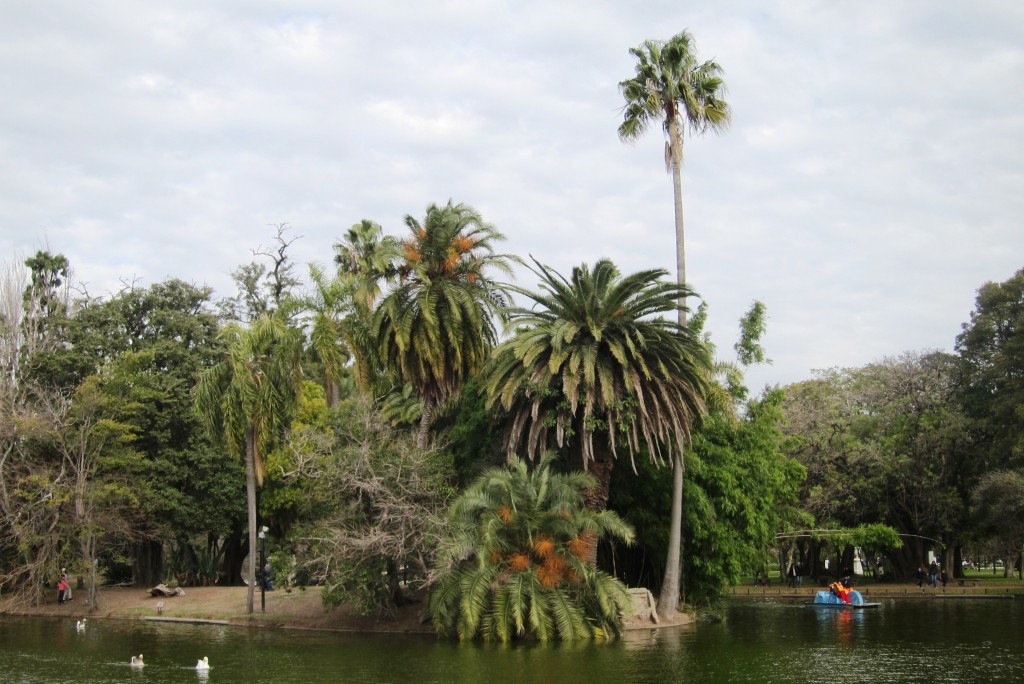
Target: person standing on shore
(67,584)
(62,586)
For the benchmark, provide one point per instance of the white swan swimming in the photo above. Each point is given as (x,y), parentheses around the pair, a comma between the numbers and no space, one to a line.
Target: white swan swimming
(81,625)
(203,664)
(137,661)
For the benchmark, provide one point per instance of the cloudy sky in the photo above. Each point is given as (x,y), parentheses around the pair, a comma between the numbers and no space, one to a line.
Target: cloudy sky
(872,179)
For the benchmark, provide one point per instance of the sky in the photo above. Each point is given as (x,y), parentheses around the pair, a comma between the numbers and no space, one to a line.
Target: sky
(871,181)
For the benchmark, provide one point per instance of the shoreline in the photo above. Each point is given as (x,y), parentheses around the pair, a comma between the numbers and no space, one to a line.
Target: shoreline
(977,590)
(298,609)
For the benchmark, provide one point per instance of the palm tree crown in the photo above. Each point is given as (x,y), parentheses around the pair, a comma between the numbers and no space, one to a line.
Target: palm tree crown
(248,399)
(436,326)
(594,355)
(673,87)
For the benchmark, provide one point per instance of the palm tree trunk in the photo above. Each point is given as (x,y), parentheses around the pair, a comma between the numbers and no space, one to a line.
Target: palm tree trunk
(669,596)
(425,420)
(596,499)
(250,495)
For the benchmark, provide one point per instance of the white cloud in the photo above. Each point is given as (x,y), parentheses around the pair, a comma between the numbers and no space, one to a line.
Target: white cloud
(869,184)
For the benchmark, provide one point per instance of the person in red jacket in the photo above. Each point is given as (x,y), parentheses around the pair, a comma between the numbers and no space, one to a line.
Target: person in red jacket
(840,591)
(62,587)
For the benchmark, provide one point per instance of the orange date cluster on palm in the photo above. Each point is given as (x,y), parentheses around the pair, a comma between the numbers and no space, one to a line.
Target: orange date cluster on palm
(548,559)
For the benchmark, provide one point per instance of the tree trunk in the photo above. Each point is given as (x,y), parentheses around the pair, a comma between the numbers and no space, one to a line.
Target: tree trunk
(596,499)
(671,591)
(670,595)
(148,566)
(250,495)
(425,418)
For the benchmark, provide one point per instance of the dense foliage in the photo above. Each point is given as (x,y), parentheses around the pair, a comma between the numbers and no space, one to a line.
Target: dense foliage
(514,565)
(107,468)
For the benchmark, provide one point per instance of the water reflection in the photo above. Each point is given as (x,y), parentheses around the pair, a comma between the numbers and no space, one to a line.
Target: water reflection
(767,642)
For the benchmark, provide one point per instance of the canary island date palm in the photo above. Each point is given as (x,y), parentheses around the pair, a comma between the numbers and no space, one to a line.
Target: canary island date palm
(435,327)
(248,399)
(513,566)
(593,358)
(673,87)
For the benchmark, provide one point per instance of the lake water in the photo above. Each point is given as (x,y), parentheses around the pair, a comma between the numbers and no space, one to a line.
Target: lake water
(937,640)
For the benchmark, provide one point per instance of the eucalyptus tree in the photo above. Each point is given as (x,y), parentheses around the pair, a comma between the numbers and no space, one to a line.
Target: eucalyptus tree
(248,398)
(435,327)
(672,86)
(514,564)
(593,359)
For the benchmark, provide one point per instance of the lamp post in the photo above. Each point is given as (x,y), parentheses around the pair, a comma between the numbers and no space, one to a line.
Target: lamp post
(263,566)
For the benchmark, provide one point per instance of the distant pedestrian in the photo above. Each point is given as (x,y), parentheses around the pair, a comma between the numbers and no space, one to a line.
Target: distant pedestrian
(67,581)
(791,575)
(799,574)
(920,576)
(933,573)
(62,587)
(943,577)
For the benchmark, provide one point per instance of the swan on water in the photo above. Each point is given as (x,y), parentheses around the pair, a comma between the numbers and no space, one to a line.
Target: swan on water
(203,664)
(81,625)
(137,661)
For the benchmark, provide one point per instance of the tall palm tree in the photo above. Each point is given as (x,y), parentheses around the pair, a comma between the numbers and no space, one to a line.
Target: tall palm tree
(328,305)
(366,260)
(435,328)
(593,358)
(248,399)
(514,566)
(367,257)
(674,87)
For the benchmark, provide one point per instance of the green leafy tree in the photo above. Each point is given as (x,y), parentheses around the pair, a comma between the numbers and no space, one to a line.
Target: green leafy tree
(514,565)
(592,359)
(150,344)
(435,328)
(991,347)
(672,86)
(741,490)
(248,399)
(998,511)
(886,443)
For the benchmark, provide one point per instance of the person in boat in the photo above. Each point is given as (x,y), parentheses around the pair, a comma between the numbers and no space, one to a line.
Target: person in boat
(840,591)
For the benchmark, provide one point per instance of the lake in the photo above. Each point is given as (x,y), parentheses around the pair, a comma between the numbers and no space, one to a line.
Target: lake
(923,640)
